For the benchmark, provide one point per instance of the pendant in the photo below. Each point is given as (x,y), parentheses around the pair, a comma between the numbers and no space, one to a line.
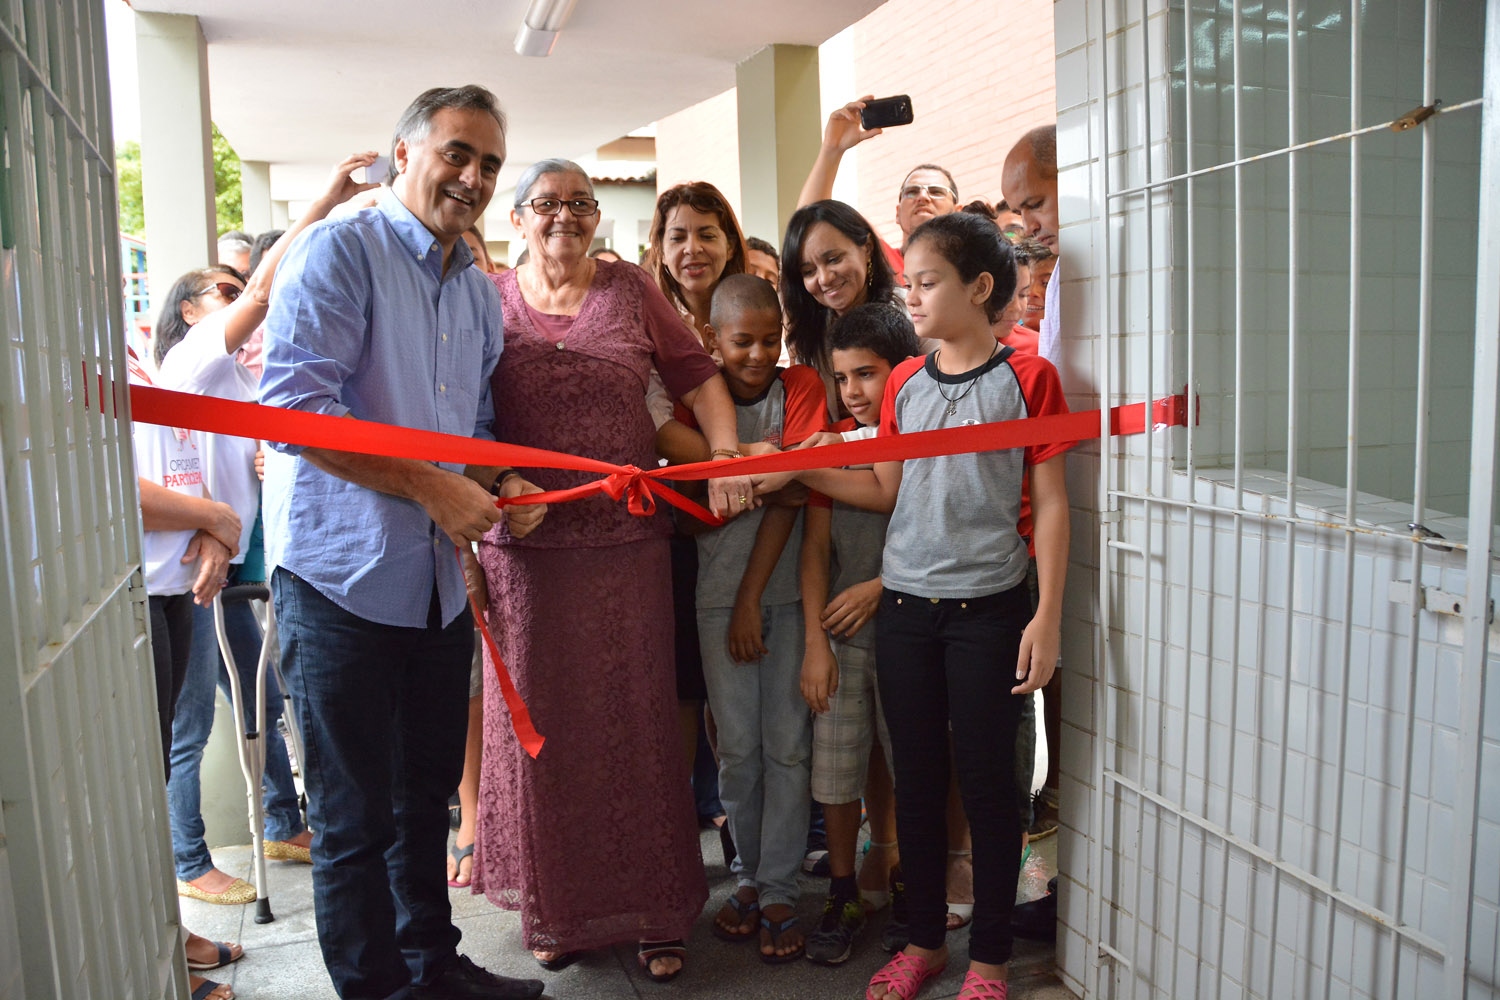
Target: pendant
(952,408)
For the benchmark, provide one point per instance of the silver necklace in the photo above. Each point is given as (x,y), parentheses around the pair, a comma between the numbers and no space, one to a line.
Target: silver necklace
(953,401)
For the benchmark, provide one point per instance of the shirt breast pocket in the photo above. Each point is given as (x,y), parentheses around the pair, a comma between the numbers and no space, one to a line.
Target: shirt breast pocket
(461,379)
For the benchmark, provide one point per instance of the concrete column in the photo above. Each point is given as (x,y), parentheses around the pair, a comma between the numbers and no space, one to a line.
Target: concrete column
(177,172)
(255,195)
(780,128)
(281,215)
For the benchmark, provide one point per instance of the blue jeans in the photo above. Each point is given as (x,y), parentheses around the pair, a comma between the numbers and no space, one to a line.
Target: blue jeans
(385,713)
(194,720)
(765,748)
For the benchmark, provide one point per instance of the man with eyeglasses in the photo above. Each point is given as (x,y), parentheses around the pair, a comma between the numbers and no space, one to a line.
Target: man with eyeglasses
(379,316)
(927,191)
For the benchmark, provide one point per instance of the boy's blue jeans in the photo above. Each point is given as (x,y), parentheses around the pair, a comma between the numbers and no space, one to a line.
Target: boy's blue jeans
(193,722)
(765,747)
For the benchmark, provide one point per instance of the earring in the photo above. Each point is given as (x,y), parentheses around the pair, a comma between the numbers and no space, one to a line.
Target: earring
(869,272)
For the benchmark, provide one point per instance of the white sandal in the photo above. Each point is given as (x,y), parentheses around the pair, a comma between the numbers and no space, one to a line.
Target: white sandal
(964,912)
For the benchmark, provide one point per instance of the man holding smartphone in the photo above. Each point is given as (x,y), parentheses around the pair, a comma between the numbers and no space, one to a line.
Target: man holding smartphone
(927,191)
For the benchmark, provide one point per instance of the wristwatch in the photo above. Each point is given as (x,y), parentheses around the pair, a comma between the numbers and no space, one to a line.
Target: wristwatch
(500,478)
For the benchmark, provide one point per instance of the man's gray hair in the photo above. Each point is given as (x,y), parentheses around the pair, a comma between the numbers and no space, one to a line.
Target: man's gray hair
(416,121)
(234,241)
(552,165)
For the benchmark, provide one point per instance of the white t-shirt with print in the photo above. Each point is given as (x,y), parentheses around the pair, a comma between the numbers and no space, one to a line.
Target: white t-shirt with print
(199,364)
(172,459)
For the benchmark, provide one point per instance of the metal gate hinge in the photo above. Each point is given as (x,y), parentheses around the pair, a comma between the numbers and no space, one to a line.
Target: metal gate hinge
(1111,516)
(1415,117)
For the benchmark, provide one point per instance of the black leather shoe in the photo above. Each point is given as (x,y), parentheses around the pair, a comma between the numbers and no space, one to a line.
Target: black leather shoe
(463,980)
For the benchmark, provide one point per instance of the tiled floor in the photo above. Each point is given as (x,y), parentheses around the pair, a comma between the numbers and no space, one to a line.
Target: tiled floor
(282,961)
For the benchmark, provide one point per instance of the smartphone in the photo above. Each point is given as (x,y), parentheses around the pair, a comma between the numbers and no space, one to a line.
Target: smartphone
(375,172)
(886,111)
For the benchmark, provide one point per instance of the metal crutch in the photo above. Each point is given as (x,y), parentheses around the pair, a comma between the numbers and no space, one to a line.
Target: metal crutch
(252,749)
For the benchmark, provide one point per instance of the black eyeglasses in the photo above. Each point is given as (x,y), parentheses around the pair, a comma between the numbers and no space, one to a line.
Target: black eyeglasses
(228,290)
(581,208)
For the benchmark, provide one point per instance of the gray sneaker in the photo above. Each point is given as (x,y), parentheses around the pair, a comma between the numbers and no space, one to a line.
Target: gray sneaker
(831,943)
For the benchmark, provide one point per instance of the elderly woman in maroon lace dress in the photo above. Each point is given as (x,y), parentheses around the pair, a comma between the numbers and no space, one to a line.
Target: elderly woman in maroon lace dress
(595,841)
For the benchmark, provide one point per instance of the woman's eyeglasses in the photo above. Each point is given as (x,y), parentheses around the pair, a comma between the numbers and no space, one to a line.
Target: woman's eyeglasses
(228,290)
(581,208)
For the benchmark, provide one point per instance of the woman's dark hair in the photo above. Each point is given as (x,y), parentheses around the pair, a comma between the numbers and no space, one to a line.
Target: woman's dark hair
(881,328)
(170,326)
(973,245)
(806,319)
(700,196)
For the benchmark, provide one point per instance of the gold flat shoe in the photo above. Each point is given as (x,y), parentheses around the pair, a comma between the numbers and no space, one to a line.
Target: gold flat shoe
(285,850)
(239,891)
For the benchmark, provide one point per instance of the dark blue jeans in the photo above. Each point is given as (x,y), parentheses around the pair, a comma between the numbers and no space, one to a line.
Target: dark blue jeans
(942,663)
(384,711)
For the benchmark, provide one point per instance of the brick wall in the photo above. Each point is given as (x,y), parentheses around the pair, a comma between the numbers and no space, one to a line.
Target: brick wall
(979,72)
(701,143)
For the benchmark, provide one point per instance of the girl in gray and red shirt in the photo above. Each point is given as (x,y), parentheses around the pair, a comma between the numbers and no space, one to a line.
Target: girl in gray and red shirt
(957,644)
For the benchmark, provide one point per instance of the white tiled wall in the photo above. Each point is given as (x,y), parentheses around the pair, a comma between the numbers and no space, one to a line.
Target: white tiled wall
(1237,649)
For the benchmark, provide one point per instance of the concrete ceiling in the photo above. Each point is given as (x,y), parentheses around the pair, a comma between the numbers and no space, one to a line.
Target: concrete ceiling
(302,83)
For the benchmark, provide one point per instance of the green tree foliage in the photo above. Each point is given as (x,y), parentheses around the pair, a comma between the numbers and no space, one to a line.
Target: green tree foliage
(128,184)
(227,203)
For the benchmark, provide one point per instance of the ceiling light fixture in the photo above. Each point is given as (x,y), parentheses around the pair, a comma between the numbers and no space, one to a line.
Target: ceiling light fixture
(542,24)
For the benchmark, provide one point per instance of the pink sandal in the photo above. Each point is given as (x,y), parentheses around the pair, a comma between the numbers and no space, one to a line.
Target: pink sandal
(903,975)
(976,987)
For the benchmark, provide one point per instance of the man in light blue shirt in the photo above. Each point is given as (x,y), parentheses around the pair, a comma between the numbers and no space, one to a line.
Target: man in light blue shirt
(380,316)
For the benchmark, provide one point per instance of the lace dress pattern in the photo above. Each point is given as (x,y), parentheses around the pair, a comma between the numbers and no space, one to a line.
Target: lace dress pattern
(595,842)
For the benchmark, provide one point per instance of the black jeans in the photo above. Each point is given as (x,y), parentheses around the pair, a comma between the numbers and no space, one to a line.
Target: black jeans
(171,641)
(385,711)
(942,662)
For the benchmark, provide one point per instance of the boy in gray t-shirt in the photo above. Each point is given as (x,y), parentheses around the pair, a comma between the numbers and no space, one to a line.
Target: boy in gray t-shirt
(841,554)
(750,629)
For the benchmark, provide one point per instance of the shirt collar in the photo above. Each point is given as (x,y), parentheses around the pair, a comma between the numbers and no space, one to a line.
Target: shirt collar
(415,237)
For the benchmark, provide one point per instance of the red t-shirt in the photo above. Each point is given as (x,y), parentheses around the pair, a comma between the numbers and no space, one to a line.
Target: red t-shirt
(1023,338)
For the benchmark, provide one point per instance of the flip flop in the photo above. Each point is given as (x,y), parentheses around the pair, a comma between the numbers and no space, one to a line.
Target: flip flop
(778,928)
(225,957)
(560,961)
(458,854)
(650,951)
(748,914)
(205,988)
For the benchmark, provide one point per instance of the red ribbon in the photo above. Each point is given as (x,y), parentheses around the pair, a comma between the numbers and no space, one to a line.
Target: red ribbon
(639,488)
(520,717)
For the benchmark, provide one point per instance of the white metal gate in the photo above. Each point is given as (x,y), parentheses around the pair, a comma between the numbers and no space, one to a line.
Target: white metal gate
(1294,784)
(87,901)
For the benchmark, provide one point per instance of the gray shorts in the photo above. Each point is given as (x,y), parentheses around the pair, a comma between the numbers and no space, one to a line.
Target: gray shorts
(842,735)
